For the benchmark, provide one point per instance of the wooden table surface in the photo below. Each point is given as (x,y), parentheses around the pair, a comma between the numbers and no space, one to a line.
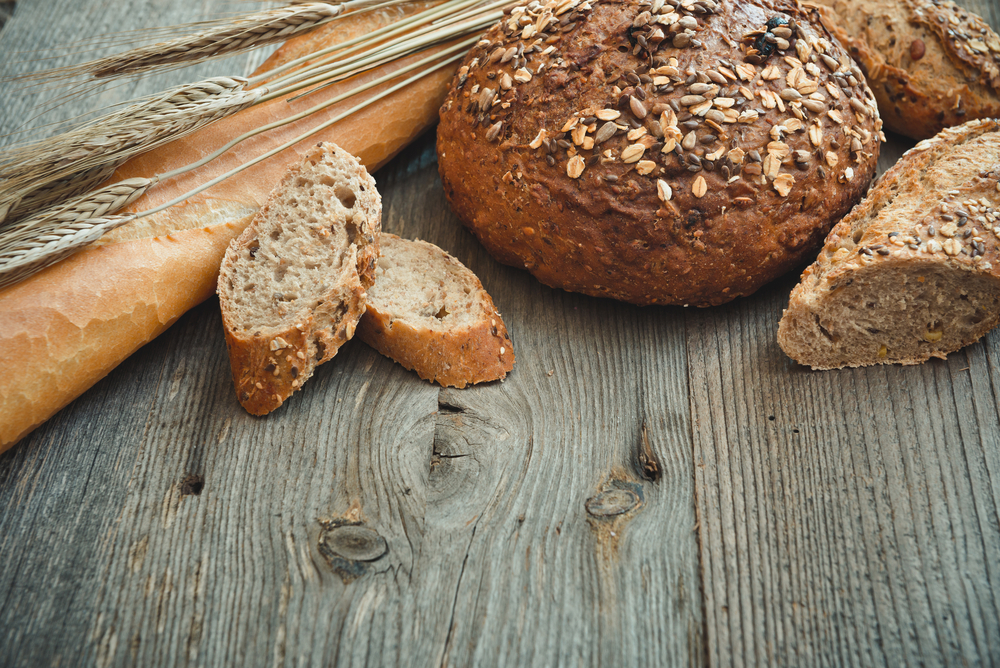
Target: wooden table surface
(649,487)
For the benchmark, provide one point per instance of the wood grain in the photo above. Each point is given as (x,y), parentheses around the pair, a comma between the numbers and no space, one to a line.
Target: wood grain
(655,486)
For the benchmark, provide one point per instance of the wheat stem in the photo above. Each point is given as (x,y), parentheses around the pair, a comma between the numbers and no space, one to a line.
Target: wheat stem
(254,30)
(460,48)
(341,49)
(326,76)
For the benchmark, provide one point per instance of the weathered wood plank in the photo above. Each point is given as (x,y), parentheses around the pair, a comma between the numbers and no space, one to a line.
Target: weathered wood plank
(479,494)
(847,517)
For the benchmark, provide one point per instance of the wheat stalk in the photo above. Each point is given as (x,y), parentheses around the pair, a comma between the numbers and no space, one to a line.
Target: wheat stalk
(51,193)
(48,249)
(252,31)
(44,172)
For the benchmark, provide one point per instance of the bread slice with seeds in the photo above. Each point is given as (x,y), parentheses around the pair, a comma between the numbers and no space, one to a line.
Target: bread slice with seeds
(913,271)
(292,286)
(431,314)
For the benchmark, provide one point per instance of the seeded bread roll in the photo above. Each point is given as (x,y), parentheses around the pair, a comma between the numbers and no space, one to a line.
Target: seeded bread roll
(931,64)
(431,314)
(663,153)
(913,271)
(292,286)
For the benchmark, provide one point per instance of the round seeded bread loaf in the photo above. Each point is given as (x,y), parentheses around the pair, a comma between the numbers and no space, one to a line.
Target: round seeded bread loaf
(664,152)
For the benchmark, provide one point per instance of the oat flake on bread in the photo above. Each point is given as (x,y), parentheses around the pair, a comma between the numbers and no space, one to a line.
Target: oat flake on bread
(665,152)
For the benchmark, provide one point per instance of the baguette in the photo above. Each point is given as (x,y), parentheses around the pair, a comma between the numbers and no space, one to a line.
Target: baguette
(431,314)
(913,271)
(65,328)
(930,63)
(292,286)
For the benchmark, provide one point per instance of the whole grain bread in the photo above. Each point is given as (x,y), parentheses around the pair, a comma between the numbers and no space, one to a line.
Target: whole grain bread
(431,314)
(930,63)
(292,286)
(662,153)
(913,271)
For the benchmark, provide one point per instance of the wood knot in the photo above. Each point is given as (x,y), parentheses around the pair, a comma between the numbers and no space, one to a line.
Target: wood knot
(615,501)
(353,543)
(349,547)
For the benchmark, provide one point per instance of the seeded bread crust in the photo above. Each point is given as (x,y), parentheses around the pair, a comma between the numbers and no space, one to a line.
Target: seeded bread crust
(913,271)
(270,362)
(656,174)
(458,356)
(930,63)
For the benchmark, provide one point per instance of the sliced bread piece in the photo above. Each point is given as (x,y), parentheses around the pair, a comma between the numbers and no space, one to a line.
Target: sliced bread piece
(913,271)
(292,286)
(431,314)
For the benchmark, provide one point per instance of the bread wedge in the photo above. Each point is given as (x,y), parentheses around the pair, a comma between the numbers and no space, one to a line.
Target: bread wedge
(292,286)
(431,314)
(913,271)
(930,63)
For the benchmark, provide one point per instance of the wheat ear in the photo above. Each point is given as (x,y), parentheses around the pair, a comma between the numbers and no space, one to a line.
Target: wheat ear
(37,242)
(36,175)
(251,31)
(41,252)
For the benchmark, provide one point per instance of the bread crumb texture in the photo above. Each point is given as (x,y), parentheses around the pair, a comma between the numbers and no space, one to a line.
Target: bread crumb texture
(664,152)
(431,314)
(292,286)
(911,273)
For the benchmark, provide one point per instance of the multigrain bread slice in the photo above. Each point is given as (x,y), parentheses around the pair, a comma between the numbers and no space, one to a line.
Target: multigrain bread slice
(431,314)
(930,63)
(292,286)
(913,271)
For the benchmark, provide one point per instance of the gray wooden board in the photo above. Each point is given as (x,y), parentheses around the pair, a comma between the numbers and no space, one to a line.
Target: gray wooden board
(771,514)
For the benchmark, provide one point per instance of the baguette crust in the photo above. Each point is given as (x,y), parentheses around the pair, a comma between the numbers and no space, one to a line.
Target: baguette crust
(455,357)
(913,272)
(68,326)
(930,63)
